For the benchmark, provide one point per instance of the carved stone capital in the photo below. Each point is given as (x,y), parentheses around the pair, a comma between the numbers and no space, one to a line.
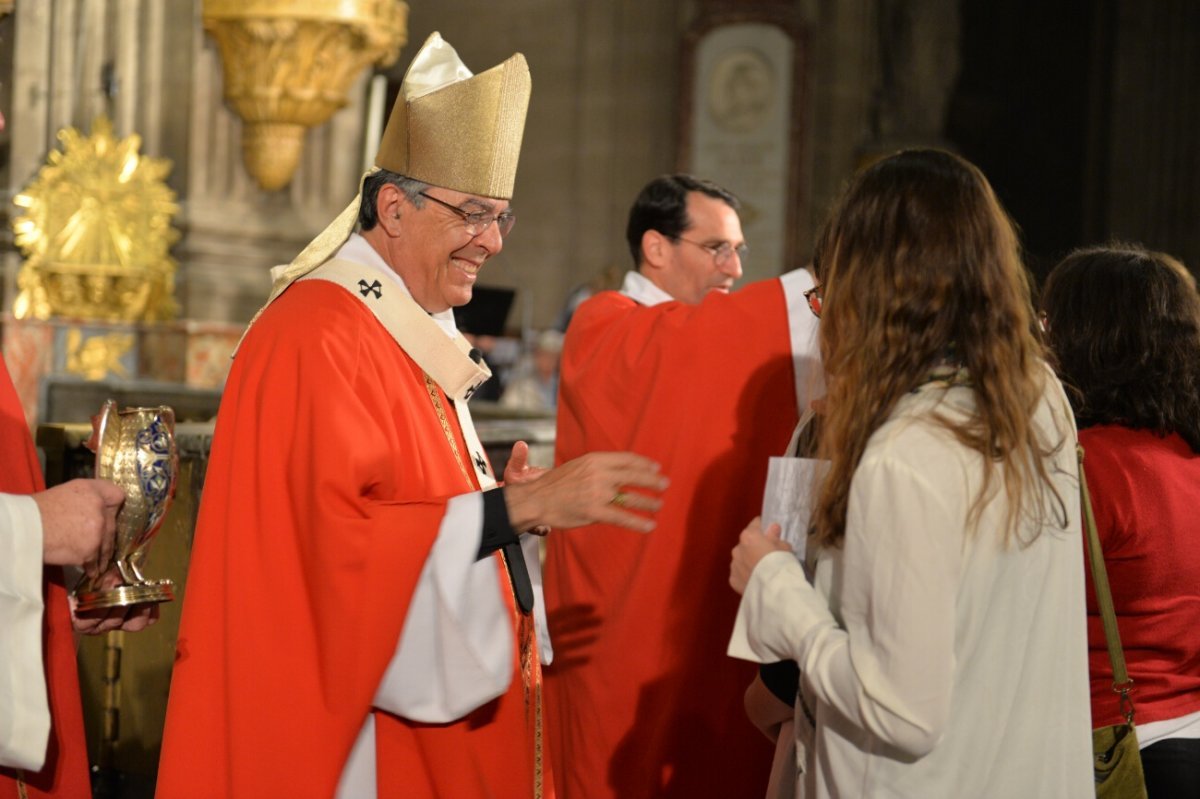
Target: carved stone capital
(289,63)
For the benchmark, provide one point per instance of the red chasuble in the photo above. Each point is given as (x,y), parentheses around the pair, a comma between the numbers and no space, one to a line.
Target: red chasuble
(328,479)
(642,700)
(65,772)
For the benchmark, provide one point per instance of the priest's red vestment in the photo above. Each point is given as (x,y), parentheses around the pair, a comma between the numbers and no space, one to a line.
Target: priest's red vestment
(329,476)
(65,772)
(641,699)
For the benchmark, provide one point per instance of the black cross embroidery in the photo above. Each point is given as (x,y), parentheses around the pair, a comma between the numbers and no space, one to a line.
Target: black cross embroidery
(481,463)
(364,288)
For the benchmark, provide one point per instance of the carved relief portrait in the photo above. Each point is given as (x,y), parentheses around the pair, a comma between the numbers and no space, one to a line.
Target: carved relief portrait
(741,90)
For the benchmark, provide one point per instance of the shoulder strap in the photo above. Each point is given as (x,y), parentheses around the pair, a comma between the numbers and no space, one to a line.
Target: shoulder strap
(1121,681)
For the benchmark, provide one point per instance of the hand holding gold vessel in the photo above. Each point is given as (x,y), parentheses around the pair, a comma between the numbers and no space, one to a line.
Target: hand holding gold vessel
(135,448)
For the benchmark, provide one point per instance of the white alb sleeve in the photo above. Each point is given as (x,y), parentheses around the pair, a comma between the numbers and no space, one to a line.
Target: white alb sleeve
(24,706)
(889,669)
(455,651)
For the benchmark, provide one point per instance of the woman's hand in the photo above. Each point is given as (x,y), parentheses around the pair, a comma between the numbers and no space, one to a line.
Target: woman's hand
(753,545)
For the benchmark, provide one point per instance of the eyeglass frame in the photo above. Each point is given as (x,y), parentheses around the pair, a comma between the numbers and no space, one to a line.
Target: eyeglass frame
(716,250)
(482,219)
(815,298)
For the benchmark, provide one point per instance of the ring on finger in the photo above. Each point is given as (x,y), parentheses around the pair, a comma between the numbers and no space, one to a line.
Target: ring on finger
(620,499)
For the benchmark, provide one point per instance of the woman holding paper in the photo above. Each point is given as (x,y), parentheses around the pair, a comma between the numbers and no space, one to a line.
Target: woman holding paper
(941,641)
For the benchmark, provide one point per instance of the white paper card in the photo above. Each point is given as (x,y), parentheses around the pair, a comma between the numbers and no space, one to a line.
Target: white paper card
(789,497)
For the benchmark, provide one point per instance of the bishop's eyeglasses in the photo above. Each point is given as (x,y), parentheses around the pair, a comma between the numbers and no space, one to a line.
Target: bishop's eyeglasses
(479,221)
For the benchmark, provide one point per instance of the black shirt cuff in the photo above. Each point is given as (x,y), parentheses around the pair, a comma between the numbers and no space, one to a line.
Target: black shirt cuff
(781,679)
(498,532)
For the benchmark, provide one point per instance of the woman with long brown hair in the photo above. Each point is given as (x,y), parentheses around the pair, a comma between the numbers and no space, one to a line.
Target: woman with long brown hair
(1124,325)
(941,639)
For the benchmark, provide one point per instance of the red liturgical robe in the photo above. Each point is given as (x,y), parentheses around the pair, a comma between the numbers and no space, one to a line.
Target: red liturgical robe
(65,772)
(329,476)
(642,700)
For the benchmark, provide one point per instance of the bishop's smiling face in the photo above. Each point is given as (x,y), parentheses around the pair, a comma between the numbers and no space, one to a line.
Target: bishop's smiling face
(438,259)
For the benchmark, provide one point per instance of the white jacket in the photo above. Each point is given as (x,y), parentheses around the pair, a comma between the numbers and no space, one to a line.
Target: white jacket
(936,662)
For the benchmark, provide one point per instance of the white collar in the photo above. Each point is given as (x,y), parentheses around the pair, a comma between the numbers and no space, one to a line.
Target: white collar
(360,251)
(642,290)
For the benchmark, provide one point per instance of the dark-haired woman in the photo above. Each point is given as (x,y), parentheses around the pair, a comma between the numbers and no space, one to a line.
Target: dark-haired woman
(942,641)
(1124,324)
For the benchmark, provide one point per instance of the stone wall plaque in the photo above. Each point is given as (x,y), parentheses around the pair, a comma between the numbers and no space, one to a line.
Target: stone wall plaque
(741,125)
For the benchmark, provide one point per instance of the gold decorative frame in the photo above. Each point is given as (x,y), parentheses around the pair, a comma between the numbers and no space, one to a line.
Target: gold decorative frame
(96,230)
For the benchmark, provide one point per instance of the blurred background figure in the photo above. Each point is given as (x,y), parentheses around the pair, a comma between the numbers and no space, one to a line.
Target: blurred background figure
(607,279)
(534,387)
(1124,324)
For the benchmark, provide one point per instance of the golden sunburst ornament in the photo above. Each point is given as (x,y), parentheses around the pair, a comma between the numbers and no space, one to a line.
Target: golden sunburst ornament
(96,231)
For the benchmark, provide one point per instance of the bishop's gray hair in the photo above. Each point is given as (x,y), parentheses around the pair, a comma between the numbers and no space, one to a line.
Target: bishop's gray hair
(367,217)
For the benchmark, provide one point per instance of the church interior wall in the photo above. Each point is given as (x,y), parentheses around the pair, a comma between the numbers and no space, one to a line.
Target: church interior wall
(1082,113)
(604,119)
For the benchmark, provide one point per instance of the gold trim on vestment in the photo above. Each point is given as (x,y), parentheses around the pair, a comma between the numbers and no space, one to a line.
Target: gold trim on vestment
(431,387)
(531,666)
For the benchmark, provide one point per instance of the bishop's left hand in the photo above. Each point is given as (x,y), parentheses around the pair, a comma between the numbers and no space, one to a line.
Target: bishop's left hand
(518,471)
(754,544)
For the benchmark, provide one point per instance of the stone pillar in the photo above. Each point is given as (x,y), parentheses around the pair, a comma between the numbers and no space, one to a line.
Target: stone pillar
(918,65)
(235,232)
(1151,159)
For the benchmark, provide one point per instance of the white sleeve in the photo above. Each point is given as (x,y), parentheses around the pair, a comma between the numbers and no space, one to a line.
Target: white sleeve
(806,346)
(456,648)
(24,707)
(889,670)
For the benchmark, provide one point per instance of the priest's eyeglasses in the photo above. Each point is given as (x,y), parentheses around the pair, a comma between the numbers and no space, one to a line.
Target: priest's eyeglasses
(722,252)
(479,221)
(815,299)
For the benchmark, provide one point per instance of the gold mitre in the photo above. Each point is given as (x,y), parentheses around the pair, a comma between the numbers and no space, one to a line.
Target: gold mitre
(451,129)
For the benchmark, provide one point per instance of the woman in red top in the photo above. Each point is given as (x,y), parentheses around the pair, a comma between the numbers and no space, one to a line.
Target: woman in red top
(1124,324)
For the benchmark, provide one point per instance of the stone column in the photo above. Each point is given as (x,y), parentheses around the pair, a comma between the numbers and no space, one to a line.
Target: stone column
(1151,158)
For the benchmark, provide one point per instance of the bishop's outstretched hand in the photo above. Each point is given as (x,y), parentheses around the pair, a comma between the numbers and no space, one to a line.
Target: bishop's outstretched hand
(618,488)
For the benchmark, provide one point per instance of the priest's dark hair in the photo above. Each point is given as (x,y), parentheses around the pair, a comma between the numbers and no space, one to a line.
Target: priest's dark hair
(1123,323)
(662,206)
